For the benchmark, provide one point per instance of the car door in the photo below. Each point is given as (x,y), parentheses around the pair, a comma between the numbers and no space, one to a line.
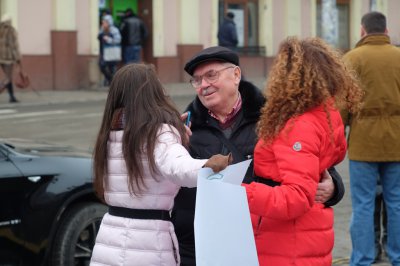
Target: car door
(12,195)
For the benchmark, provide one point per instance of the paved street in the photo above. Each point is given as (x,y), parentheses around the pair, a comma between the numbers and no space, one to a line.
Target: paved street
(73,118)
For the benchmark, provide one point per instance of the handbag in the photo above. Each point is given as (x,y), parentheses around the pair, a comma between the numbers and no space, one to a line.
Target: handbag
(112,53)
(22,80)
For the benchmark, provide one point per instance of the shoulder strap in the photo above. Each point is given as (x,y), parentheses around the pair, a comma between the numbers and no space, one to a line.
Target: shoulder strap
(235,152)
(237,155)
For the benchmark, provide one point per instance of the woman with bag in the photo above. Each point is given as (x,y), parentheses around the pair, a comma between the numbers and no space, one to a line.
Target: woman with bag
(110,48)
(9,55)
(301,134)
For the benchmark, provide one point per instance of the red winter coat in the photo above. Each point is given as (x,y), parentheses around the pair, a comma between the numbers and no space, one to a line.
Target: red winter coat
(289,227)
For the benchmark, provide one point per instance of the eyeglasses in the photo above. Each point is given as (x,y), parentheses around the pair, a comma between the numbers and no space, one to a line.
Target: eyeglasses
(210,77)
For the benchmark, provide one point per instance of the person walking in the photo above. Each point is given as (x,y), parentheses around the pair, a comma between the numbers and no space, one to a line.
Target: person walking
(224,115)
(134,33)
(140,162)
(227,32)
(300,135)
(110,50)
(9,55)
(375,154)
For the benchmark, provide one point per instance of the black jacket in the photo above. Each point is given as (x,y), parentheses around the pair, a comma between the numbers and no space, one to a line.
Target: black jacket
(227,34)
(206,142)
(133,31)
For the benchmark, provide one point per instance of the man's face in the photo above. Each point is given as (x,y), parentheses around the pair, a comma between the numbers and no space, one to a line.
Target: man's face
(222,86)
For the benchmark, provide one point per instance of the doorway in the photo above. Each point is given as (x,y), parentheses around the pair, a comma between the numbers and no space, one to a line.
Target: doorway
(246,20)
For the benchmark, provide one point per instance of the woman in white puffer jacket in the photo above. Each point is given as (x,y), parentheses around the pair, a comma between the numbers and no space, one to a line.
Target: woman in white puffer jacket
(140,162)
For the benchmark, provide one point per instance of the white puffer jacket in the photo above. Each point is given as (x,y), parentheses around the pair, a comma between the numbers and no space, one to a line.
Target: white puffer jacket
(125,241)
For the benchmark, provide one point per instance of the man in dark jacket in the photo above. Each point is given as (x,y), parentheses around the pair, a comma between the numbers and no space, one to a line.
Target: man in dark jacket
(224,116)
(133,32)
(227,33)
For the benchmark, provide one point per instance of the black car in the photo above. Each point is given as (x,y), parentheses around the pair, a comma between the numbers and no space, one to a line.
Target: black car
(49,214)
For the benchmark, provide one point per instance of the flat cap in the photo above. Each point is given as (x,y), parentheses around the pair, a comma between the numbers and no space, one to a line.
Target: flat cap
(215,53)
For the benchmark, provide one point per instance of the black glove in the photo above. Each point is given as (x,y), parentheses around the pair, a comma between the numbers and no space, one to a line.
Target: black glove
(339,188)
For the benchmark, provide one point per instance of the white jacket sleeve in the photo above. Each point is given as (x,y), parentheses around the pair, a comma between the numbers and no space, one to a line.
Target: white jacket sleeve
(173,161)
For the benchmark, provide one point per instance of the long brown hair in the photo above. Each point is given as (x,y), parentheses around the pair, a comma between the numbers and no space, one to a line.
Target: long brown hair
(306,73)
(137,91)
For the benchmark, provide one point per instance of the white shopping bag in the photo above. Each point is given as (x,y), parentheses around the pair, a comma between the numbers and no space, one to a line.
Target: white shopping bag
(222,226)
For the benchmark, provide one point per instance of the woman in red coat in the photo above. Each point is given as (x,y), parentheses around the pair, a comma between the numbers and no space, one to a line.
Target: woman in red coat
(301,134)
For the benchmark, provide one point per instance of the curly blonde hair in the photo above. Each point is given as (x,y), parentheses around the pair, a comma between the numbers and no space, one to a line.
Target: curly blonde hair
(306,73)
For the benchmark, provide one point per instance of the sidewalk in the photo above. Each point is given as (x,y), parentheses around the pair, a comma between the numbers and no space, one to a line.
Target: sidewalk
(30,97)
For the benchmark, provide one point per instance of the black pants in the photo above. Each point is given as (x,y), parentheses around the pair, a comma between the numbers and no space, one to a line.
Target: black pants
(108,69)
(8,72)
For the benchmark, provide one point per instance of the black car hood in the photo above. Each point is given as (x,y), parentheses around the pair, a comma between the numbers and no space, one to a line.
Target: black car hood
(47,159)
(42,148)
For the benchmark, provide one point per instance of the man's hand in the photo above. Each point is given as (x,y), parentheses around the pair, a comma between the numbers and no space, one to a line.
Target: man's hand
(325,188)
(187,127)
(219,162)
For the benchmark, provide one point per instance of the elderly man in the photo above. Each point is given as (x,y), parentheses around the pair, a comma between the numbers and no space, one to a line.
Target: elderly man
(224,117)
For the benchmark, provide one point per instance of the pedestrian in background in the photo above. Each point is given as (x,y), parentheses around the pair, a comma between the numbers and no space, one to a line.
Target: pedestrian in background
(374,140)
(227,32)
(140,162)
(134,33)
(110,49)
(301,134)
(9,55)
(224,116)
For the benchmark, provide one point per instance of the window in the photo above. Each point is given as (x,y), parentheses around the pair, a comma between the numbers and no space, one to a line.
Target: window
(246,19)
(343,23)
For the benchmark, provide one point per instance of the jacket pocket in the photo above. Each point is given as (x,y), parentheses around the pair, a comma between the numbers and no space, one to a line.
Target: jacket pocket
(256,221)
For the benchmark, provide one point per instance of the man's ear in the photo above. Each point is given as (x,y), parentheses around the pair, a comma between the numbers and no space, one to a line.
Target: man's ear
(238,75)
(363,32)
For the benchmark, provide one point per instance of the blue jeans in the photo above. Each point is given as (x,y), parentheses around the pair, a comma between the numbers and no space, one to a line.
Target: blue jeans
(131,54)
(363,184)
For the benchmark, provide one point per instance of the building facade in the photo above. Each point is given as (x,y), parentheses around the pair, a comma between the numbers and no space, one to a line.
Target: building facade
(58,38)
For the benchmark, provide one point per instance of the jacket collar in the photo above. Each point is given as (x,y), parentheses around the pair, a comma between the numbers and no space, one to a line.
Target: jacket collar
(252,101)
(374,39)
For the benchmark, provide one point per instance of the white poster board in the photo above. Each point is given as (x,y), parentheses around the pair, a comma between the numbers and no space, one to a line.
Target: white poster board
(222,226)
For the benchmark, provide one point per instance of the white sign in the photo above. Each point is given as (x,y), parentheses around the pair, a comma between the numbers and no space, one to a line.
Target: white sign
(222,225)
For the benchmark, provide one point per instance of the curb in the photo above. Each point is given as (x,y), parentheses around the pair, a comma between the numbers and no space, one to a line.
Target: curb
(51,97)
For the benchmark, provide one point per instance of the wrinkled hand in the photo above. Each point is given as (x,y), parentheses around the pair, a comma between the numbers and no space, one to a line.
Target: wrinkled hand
(325,188)
(219,162)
